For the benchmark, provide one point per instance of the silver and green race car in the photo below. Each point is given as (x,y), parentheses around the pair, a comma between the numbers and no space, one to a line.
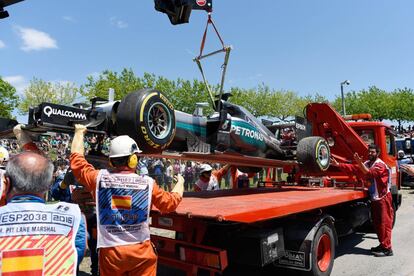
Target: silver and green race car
(231,132)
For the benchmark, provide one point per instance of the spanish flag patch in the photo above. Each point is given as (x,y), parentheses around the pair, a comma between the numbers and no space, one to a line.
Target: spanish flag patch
(27,262)
(121,202)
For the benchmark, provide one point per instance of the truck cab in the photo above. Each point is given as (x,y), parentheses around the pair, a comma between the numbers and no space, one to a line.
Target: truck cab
(382,135)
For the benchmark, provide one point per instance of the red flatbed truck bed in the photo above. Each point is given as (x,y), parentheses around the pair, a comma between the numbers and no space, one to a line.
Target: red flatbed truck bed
(259,204)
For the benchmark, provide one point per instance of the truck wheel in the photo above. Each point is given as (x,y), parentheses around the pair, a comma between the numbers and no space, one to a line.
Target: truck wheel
(313,154)
(147,116)
(323,251)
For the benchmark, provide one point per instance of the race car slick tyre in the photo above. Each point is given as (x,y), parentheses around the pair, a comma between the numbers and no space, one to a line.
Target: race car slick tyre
(313,154)
(323,251)
(147,116)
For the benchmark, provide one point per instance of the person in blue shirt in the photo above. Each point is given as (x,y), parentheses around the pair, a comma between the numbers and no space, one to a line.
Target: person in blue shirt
(403,159)
(61,191)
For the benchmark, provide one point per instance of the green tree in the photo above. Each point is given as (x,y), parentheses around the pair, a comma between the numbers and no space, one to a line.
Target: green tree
(8,99)
(40,91)
(268,102)
(122,83)
(302,102)
(374,101)
(400,107)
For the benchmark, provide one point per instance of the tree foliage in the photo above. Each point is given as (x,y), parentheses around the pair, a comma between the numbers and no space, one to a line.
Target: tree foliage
(395,105)
(40,91)
(8,99)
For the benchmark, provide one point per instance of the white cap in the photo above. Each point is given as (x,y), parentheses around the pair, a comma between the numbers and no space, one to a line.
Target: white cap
(401,153)
(205,168)
(4,154)
(123,146)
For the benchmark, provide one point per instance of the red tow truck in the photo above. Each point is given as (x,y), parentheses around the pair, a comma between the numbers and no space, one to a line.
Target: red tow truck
(294,225)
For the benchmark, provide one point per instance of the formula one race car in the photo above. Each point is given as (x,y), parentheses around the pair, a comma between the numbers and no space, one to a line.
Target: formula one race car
(150,119)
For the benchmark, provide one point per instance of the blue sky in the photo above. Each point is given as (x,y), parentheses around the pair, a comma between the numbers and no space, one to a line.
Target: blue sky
(304,46)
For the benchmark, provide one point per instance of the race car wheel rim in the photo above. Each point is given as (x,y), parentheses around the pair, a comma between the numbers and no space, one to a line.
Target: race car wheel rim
(324,253)
(159,120)
(323,155)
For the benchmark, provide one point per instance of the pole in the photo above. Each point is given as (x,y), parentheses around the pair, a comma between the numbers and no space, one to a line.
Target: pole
(343,100)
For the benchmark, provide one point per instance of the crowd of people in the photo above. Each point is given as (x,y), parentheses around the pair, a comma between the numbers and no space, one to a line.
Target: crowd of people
(57,148)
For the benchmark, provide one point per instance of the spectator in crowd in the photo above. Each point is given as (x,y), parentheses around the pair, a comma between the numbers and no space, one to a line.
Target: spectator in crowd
(124,200)
(378,174)
(158,171)
(403,159)
(189,173)
(182,167)
(169,173)
(177,167)
(143,166)
(210,179)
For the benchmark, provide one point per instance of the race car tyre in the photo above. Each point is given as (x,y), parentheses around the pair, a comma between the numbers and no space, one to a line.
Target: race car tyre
(323,251)
(313,154)
(147,116)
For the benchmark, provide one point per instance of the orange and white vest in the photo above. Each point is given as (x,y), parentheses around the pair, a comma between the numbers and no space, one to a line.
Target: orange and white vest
(38,238)
(373,189)
(123,204)
(211,185)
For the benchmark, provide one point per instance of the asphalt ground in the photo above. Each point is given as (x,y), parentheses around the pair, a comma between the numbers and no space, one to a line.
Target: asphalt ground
(353,256)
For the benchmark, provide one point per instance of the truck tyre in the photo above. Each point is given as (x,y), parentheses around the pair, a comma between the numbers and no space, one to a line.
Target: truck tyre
(323,251)
(147,116)
(313,154)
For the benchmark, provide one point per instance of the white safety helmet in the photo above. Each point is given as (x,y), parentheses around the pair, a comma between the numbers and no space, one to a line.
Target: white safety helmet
(123,146)
(205,168)
(4,155)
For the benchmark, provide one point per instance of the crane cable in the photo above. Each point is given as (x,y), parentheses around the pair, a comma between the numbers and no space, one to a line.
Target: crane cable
(198,59)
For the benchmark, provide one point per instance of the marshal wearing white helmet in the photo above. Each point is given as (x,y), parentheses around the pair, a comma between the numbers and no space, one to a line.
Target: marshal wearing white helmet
(123,203)
(123,146)
(209,179)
